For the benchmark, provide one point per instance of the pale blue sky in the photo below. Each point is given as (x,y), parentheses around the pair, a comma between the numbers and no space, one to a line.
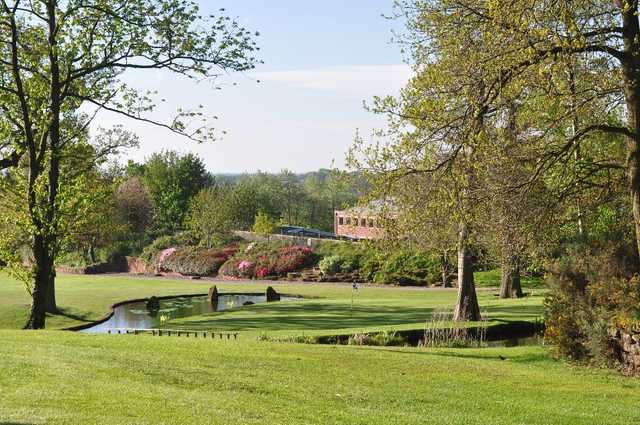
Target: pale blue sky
(322,60)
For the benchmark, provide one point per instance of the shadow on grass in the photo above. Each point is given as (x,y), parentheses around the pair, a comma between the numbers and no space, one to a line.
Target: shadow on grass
(313,316)
(322,316)
(72,315)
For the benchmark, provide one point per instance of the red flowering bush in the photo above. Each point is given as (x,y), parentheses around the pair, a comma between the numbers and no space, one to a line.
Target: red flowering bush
(262,272)
(292,258)
(268,261)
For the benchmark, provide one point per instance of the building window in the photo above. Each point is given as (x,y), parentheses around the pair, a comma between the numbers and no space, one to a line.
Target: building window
(348,221)
(363,222)
(341,220)
(371,223)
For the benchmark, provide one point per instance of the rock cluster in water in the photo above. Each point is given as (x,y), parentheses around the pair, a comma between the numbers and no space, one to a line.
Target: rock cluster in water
(153,304)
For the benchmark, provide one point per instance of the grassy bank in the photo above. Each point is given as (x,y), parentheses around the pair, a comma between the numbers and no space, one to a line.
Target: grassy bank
(65,378)
(328,307)
(84,298)
(55,377)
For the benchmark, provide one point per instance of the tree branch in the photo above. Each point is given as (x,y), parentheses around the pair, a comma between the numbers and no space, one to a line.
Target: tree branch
(11,160)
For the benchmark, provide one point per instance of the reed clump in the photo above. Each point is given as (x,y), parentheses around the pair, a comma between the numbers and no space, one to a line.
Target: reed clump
(442,331)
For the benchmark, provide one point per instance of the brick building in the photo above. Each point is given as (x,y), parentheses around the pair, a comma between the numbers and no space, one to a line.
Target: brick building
(358,223)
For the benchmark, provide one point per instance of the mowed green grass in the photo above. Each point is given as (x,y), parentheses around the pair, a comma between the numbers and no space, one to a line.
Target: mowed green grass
(326,308)
(59,377)
(372,309)
(54,377)
(84,298)
(491,279)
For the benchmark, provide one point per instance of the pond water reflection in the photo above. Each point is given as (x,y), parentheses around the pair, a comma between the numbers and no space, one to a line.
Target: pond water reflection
(135,315)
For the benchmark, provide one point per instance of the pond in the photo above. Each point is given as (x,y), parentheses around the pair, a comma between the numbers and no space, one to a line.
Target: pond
(135,315)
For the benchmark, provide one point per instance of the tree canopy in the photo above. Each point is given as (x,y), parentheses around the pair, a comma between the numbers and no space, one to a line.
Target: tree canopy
(57,57)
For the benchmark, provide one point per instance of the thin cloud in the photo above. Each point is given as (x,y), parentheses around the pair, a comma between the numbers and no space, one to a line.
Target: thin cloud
(361,81)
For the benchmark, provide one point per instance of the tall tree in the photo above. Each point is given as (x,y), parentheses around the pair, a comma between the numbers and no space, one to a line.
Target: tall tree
(580,59)
(438,123)
(134,202)
(89,229)
(517,214)
(213,214)
(293,197)
(173,180)
(59,55)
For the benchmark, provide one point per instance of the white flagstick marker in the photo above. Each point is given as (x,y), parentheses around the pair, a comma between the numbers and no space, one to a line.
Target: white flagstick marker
(354,288)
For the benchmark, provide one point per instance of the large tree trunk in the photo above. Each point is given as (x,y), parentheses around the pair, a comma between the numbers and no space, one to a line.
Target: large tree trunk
(467,307)
(92,253)
(631,71)
(510,286)
(54,162)
(50,304)
(634,177)
(41,281)
(37,315)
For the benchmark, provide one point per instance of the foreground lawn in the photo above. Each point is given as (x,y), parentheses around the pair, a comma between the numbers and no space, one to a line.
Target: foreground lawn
(65,378)
(58,377)
(327,308)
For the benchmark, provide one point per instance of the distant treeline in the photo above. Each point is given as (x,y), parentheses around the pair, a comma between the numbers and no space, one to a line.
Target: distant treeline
(172,193)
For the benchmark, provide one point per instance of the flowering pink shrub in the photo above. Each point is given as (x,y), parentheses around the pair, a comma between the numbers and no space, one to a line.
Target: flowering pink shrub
(246,268)
(264,261)
(296,250)
(244,265)
(162,257)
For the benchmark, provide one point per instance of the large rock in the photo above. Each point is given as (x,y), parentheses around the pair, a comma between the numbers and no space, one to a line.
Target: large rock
(213,297)
(272,295)
(153,304)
